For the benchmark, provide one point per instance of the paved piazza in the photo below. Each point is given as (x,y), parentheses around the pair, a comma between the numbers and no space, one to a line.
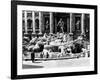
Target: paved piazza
(76,62)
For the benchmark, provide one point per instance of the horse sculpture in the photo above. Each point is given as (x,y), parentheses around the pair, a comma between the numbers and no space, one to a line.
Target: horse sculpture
(36,50)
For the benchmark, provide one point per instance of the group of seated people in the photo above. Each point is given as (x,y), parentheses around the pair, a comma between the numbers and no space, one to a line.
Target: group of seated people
(59,42)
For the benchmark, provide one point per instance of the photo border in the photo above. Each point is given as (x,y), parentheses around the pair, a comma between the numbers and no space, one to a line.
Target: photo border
(14,39)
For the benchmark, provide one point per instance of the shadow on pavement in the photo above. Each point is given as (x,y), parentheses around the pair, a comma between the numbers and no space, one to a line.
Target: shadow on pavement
(25,66)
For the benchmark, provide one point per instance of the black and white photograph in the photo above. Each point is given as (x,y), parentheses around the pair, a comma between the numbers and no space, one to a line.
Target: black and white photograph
(52,39)
(60,39)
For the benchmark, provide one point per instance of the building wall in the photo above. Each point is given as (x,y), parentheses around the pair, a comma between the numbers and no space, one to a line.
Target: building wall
(73,23)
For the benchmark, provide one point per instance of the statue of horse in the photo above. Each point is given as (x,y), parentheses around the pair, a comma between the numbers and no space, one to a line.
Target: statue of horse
(36,49)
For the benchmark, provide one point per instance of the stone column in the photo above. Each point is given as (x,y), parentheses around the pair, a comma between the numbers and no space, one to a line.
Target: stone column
(82,23)
(70,22)
(51,22)
(40,22)
(33,22)
(55,25)
(25,22)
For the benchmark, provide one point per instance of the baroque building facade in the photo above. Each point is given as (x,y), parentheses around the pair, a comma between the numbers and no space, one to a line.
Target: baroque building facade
(38,23)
